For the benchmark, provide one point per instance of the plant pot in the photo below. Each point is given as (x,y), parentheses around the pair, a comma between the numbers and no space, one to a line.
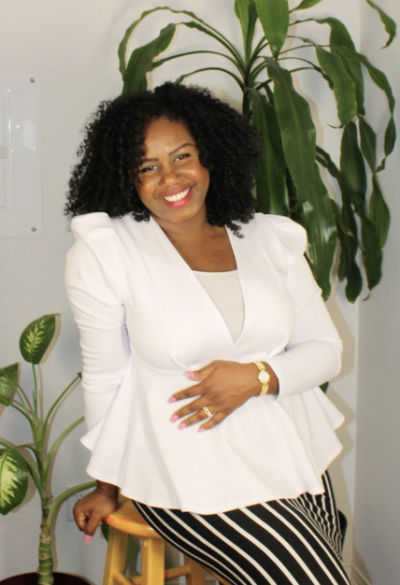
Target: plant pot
(59,579)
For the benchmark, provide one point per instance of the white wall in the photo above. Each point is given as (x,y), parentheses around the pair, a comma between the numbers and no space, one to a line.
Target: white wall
(377,514)
(71,47)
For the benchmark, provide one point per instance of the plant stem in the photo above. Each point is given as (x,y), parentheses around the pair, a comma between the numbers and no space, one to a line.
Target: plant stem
(35,392)
(45,567)
(231,59)
(61,498)
(24,405)
(58,441)
(28,402)
(57,402)
(27,416)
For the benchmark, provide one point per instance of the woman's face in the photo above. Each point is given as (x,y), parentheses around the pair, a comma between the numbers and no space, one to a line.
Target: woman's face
(172,183)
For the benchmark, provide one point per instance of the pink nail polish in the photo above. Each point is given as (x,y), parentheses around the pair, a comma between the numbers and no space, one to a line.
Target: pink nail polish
(201,429)
(174,418)
(87,538)
(182,426)
(189,373)
(172,399)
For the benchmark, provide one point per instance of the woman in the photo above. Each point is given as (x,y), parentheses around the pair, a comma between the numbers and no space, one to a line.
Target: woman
(204,340)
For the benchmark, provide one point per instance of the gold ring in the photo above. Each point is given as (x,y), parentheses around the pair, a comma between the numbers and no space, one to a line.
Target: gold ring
(208,412)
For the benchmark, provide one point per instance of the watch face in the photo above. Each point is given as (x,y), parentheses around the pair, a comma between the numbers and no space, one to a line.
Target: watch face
(263,377)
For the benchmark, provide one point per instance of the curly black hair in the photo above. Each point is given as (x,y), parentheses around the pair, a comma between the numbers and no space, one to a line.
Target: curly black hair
(113,148)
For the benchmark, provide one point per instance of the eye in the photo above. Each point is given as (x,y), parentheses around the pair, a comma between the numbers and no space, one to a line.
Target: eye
(183,156)
(148,169)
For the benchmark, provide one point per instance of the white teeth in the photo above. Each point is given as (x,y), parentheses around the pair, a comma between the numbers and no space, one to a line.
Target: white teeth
(178,196)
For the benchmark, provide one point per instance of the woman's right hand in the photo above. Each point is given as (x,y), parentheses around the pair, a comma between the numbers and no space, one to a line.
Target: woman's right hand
(94,508)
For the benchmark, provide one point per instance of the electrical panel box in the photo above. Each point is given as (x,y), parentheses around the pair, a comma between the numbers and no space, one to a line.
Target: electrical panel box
(20,163)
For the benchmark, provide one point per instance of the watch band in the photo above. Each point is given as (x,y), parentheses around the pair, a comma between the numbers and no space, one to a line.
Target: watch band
(263,378)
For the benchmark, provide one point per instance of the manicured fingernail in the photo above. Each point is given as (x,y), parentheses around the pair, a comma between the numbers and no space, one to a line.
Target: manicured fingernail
(87,538)
(172,399)
(182,426)
(189,373)
(201,429)
(174,418)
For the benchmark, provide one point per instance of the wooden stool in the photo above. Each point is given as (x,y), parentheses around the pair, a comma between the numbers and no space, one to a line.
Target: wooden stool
(127,520)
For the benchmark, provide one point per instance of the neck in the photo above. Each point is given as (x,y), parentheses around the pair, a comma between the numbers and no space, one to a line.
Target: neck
(190,231)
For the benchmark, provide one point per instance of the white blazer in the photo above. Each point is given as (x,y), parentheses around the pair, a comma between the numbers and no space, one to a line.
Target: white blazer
(144,319)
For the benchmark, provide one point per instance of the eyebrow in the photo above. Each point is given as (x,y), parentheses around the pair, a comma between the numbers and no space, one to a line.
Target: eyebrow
(172,151)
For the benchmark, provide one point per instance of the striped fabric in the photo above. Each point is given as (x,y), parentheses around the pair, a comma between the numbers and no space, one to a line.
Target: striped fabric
(283,542)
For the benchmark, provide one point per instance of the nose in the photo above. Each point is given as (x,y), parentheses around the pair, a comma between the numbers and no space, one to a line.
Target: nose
(168,175)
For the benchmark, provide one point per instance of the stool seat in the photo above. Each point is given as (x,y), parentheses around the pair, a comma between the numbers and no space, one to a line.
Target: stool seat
(127,519)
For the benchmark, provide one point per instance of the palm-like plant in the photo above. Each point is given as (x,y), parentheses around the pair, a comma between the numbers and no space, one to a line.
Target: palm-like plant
(289,181)
(16,461)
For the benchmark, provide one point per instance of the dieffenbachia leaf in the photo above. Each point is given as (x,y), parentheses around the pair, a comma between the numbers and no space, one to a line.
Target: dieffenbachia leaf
(274,18)
(37,337)
(8,383)
(13,479)
(271,187)
(389,23)
(344,87)
(379,211)
(246,12)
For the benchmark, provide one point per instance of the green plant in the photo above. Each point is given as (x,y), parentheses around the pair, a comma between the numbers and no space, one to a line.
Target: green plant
(289,181)
(16,461)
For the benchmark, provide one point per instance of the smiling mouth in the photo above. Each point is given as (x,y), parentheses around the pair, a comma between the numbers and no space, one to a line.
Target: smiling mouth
(177,197)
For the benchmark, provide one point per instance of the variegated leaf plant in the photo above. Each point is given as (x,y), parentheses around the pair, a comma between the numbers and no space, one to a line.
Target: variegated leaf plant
(289,180)
(16,461)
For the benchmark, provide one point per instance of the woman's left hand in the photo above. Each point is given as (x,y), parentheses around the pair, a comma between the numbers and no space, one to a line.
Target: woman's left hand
(223,387)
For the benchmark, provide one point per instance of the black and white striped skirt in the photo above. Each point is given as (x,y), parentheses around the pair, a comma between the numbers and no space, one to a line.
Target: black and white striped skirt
(284,542)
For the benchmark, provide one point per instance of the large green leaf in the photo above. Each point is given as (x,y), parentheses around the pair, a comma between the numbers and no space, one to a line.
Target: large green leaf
(317,217)
(344,87)
(380,79)
(141,60)
(295,122)
(298,141)
(339,38)
(352,161)
(271,187)
(13,479)
(306,4)
(36,338)
(201,26)
(390,141)
(379,211)
(246,12)
(389,23)
(8,383)
(347,231)
(274,18)
(368,143)
(348,268)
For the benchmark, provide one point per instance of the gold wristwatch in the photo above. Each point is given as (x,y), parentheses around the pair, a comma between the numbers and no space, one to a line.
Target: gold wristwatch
(263,378)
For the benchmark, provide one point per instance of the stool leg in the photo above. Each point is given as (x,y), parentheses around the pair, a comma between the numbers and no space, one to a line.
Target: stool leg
(197,575)
(153,561)
(116,555)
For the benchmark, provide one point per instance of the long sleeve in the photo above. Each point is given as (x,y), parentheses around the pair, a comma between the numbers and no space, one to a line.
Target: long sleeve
(313,354)
(93,278)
